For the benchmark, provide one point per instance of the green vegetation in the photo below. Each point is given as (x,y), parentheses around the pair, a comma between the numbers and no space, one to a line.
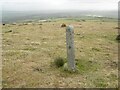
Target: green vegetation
(100,83)
(86,66)
(29,48)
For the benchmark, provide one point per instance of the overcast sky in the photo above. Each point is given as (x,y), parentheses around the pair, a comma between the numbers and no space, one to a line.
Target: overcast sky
(21,5)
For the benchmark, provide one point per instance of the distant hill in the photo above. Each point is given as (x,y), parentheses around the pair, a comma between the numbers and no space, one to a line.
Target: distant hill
(15,16)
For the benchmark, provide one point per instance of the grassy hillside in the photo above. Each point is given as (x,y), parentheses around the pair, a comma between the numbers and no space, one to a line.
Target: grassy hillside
(29,51)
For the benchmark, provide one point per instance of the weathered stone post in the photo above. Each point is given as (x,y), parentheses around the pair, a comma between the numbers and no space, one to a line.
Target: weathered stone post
(70,47)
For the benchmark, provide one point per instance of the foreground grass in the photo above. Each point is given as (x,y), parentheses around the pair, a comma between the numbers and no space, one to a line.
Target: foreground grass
(28,51)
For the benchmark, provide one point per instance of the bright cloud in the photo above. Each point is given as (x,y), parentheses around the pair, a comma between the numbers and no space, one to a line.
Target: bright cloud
(59,4)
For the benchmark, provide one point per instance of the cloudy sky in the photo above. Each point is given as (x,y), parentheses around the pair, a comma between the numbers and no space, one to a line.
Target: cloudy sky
(21,5)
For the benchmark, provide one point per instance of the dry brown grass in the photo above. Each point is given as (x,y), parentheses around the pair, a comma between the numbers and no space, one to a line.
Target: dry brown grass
(29,50)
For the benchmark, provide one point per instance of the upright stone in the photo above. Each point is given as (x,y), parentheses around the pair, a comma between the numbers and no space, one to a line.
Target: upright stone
(70,47)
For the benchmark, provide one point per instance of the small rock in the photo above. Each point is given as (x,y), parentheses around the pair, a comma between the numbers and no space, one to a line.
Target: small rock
(79,83)
(63,25)
(3,24)
(81,36)
(78,34)
(38,69)
(13,23)
(65,67)
(25,24)
(8,31)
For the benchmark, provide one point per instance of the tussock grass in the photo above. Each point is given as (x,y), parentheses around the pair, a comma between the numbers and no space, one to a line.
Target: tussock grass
(59,61)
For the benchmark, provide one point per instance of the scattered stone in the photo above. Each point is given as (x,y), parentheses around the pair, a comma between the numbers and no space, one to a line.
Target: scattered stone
(35,43)
(65,67)
(29,23)
(13,23)
(63,25)
(81,36)
(79,83)
(95,49)
(42,21)
(3,24)
(40,24)
(114,64)
(25,24)
(44,38)
(45,42)
(8,31)
(38,69)
(105,36)
(78,34)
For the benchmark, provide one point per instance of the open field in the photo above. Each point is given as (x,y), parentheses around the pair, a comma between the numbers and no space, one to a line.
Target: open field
(29,50)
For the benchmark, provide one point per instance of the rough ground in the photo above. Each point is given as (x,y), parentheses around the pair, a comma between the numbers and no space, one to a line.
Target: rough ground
(30,49)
